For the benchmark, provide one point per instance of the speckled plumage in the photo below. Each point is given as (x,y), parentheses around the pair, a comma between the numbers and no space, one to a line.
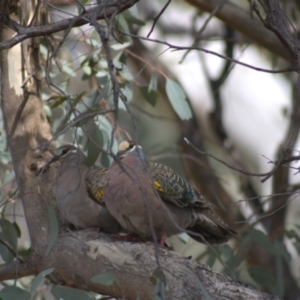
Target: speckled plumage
(172,187)
(138,192)
(95,181)
(73,191)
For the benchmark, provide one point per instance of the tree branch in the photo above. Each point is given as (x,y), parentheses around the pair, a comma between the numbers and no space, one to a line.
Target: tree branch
(243,22)
(15,270)
(79,256)
(24,33)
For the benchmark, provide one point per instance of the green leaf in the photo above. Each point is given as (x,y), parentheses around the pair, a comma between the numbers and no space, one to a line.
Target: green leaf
(37,281)
(122,22)
(262,276)
(67,293)
(53,223)
(59,100)
(178,100)
(292,234)
(243,250)
(297,247)
(6,255)
(68,70)
(262,240)
(119,46)
(158,278)
(104,160)
(160,290)
(10,233)
(127,91)
(153,83)
(157,274)
(211,259)
(150,97)
(133,20)
(107,278)
(18,230)
(279,278)
(125,72)
(226,251)
(106,90)
(13,292)
(78,98)
(95,141)
(280,249)
(205,293)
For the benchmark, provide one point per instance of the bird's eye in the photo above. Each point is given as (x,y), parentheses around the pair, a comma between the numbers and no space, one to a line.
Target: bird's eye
(131,145)
(64,151)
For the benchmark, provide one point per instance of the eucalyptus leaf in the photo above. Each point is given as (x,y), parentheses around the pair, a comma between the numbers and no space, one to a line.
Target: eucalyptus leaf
(160,290)
(95,141)
(150,97)
(6,255)
(262,240)
(206,295)
(127,91)
(53,225)
(18,229)
(157,274)
(280,249)
(120,46)
(262,276)
(107,278)
(67,293)
(13,292)
(37,281)
(10,233)
(178,100)
(153,83)
(279,273)
(133,20)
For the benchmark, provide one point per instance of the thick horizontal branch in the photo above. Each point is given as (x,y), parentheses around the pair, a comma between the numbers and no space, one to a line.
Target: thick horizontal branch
(23,33)
(243,22)
(79,256)
(15,269)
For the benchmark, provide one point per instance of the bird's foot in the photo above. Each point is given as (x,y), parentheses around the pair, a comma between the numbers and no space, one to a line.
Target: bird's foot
(162,241)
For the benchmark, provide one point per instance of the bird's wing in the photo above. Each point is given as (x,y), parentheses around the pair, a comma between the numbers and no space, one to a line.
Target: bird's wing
(173,188)
(95,181)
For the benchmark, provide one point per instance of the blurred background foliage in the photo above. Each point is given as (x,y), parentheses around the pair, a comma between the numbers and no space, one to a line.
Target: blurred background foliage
(237,114)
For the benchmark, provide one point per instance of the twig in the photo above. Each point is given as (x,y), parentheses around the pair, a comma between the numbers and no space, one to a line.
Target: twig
(158,16)
(197,38)
(180,48)
(223,162)
(24,33)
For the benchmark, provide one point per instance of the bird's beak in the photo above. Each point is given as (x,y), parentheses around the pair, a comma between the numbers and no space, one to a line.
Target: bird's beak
(52,160)
(46,166)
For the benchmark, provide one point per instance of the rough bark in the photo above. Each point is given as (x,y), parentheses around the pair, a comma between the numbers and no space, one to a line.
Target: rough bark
(79,256)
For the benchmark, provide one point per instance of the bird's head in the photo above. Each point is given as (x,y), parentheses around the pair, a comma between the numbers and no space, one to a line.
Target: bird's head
(130,148)
(65,151)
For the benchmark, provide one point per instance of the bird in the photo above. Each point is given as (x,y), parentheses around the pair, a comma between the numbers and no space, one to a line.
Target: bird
(78,191)
(149,199)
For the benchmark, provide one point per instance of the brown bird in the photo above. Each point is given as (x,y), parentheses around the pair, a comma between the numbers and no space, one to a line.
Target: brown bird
(77,185)
(148,198)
